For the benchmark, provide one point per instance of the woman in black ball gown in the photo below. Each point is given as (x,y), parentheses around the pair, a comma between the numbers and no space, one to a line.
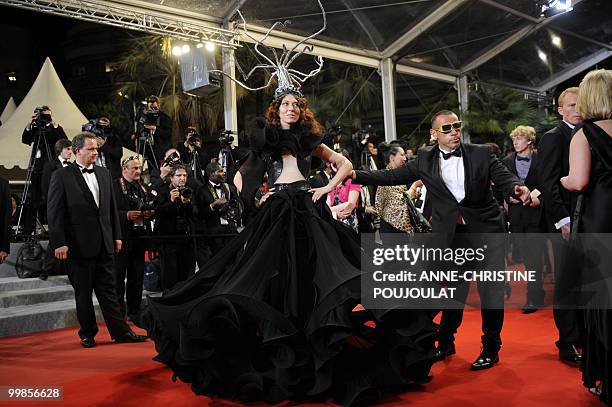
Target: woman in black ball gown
(275,315)
(590,174)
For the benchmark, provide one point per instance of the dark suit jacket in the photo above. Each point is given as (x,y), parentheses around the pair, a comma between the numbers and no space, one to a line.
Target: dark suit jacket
(124,205)
(204,198)
(48,171)
(75,220)
(554,164)
(5,216)
(113,151)
(525,218)
(479,208)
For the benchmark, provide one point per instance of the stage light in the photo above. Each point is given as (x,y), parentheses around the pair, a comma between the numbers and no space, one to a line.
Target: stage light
(210,46)
(542,56)
(199,45)
(556,40)
(177,51)
(553,7)
(185,49)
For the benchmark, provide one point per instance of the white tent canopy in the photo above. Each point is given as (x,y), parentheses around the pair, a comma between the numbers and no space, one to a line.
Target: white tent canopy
(46,90)
(8,111)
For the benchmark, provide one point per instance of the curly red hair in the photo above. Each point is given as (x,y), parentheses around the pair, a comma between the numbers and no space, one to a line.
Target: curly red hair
(306,115)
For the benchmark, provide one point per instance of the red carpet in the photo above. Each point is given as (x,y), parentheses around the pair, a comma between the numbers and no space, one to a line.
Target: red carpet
(529,373)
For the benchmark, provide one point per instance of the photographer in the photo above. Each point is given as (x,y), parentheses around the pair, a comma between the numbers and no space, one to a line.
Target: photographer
(110,148)
(218,205)
(154,128)
(193,155)
(135,205)
(175,218)
(41,133)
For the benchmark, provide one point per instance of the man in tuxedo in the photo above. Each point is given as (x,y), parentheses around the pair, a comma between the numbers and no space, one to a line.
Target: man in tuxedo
(5,219)
(554,164)
(84,231)
(458,178)
(110,148)
(527,219)
(63,152)
(218,205)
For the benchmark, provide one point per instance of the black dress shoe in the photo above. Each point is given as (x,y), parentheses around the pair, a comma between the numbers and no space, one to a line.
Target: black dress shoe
(43,276)
(443,351)
(485,360)
(570,355)
(88,342)
(530,308)
(130,336)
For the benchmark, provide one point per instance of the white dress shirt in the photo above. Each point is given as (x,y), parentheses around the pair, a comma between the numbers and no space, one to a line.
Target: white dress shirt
(453,174)
(62,161)
(92,183)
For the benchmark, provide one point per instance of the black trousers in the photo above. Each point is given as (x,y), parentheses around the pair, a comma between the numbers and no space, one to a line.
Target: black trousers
(96,275)
(491,295)
(177,262)
(531,247)
(568,318)
(218,243)
(129,262)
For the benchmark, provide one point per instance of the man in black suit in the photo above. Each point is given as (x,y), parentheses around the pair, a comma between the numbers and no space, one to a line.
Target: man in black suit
(156,127)
(218,205)
(554,164)
(527,219)
(175,221)
(458,179)
(135,207)
(84,230)
(63,152)
(5,219)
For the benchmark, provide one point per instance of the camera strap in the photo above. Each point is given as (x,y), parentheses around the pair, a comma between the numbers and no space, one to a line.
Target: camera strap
(122,182)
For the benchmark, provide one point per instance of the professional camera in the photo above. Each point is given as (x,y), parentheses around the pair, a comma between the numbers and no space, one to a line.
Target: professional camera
(41,119)
(230,211)
(172,159)
(185,192)
(100,127)
(361,134)
(192,136)
(226,138)
(148,117)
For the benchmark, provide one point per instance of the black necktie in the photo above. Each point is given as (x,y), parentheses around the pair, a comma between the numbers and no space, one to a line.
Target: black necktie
(519,158)
(456,153)
(87,171)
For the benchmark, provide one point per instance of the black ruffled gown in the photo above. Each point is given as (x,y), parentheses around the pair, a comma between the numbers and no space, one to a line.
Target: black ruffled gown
(596,217)
(271,317)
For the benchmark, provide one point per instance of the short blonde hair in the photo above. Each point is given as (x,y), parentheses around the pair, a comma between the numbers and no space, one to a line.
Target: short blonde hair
(573,90)
(595,95)
(528,132)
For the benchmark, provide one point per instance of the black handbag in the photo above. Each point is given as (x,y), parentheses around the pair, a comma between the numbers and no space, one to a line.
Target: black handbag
(418,221)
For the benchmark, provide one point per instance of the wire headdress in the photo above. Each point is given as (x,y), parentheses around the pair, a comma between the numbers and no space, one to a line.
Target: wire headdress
(289,80)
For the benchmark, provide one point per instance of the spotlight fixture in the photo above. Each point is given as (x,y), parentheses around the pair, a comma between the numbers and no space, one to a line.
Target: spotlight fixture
(556,40)
(210,46)
(554,7)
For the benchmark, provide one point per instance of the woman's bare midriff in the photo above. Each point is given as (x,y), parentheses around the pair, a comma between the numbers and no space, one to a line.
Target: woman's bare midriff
(291,172)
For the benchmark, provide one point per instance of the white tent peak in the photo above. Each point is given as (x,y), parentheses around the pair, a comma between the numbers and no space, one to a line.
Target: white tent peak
(8,111)
(47,90)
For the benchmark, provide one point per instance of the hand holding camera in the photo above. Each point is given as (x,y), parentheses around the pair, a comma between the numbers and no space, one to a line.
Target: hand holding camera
(218,202)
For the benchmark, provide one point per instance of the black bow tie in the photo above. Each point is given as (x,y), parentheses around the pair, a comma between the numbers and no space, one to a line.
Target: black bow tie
(456,153)
(519,158)
(87,170)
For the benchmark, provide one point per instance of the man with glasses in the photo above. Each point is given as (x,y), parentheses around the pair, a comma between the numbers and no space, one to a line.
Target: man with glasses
(458,180)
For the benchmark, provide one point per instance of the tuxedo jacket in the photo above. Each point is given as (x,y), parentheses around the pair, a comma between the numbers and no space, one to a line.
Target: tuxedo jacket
(48,171)
(74,218)
(204,198)
(554,164)
(479,208)
(525,218)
